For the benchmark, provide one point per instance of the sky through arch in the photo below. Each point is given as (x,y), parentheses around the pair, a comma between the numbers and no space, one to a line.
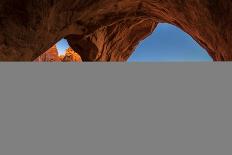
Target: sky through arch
(169,43)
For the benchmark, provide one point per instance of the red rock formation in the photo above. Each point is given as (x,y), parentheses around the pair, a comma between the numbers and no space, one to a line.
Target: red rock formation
(112,43)
(61,57)
(71,56)
(109,30)
(51,55)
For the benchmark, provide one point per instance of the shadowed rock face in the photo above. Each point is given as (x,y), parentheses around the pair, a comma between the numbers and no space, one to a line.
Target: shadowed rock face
(109,30)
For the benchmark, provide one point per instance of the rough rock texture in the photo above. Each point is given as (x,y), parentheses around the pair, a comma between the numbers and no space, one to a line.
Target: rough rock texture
(109,30)
(71,56)
(112,43)
(51,55)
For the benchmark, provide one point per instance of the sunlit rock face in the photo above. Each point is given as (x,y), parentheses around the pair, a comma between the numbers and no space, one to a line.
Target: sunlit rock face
(109,30)
(70,56)
(50,55)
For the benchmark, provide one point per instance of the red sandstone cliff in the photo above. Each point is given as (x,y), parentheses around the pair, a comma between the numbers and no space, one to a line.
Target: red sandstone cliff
(50,55)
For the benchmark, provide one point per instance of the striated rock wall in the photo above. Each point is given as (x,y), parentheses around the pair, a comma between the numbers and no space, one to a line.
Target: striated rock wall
(109,30)
(50,55)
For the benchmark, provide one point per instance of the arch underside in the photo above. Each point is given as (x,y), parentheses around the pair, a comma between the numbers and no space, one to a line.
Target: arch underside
(109,30)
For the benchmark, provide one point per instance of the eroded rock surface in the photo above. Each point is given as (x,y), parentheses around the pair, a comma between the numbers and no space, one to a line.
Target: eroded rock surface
(109,30)
(50,55)
(71,56)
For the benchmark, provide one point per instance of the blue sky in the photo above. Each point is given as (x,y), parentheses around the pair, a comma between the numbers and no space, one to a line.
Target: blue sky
(167,43)
(62,45)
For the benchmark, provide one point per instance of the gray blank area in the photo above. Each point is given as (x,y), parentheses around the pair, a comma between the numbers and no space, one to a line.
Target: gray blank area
(116,109)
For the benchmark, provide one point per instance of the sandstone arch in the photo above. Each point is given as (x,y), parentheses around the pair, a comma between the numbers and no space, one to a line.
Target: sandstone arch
(109,30)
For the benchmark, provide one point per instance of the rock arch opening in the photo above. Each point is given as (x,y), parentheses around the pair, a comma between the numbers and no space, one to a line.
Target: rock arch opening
(118,42)
(60,52)
(168,43)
